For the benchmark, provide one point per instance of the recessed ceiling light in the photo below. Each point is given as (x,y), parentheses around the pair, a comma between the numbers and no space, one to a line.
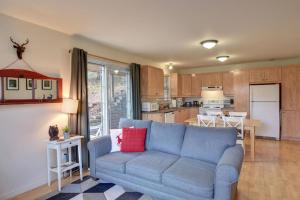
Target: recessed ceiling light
(209,44)
(116,71)
(170,67)
(222,58)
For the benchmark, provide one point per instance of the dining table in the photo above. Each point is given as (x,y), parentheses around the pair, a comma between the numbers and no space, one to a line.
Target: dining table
(249,124)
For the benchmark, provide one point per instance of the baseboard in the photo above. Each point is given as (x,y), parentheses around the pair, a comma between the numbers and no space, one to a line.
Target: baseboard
(290,139)
(40,181)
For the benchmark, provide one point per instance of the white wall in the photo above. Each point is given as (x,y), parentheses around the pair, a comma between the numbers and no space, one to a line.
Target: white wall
(24,128)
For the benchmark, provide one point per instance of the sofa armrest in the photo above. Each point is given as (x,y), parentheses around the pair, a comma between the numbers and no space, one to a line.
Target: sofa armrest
(228,171)
(98,147)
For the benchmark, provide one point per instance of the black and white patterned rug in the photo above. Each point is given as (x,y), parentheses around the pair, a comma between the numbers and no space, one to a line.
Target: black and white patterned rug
(90,189)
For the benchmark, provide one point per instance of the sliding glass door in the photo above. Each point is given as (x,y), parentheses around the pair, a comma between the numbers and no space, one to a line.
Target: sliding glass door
(96,99)
(119,102)
(108,97)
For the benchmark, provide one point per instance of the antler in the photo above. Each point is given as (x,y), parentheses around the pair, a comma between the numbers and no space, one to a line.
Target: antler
(13,41)
(27,41)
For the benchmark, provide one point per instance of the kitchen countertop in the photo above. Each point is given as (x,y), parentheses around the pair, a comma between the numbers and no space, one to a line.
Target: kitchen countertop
(180,108)
(169,110)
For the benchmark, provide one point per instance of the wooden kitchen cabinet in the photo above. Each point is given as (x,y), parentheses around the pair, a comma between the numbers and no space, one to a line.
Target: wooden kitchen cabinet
(290,98)
(290,127)
(241,91)
(157,117)
(196,85)
(152,82)
(290,89)
(228,83)
(186,88)
(178,116)
(175,85)
(181,115)
(211,79)
(265,75)
(194,111)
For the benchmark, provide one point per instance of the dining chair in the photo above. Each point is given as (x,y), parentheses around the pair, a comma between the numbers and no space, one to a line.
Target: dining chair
(238,123)
(238,114)
(206,120)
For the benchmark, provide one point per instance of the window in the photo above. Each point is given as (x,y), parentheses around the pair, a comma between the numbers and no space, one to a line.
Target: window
(108,97)
(167,94)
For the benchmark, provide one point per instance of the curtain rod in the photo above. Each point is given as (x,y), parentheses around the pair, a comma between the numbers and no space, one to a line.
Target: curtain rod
(104,58)
(108,59)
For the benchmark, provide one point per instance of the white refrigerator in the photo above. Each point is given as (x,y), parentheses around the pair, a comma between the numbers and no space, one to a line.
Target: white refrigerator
(265,106)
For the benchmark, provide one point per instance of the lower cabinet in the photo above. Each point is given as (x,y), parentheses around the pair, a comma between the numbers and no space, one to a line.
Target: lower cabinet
(290,127)
(157,117)
(180,116)
(194,112)
(185,113)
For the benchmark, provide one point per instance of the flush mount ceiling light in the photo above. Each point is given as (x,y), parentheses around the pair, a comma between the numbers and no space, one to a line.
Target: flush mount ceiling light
(116,71)
(209,44)
(170,66)
(222,58)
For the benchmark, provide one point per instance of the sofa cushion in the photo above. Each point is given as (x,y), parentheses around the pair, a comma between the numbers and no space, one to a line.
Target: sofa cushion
(166,137)
(150,165)
(115,161)
(125,123)
(207,144)
(191,176)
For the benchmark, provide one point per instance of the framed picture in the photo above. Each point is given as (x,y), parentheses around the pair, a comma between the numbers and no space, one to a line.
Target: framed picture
(29,84)
(12,83)
(46,84)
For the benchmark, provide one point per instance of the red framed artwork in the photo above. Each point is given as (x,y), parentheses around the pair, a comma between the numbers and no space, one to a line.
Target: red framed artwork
(19,86)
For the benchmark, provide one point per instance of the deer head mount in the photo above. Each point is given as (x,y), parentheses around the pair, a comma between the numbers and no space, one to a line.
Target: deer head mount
(20,47)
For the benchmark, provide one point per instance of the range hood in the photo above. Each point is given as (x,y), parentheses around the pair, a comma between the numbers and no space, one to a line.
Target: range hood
(212,93)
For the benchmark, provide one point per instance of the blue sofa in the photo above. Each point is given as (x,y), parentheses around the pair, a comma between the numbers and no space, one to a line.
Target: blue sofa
(180,162)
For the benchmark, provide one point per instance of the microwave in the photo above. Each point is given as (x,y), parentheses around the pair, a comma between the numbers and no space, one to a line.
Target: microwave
(150,106)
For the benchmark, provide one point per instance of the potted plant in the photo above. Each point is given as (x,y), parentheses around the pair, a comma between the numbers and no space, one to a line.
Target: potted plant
(66,131)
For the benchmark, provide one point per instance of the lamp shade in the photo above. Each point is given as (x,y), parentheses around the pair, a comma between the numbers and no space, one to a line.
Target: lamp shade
(69,106)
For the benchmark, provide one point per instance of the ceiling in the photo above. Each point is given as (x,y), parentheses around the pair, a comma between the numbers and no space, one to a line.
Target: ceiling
(170,30)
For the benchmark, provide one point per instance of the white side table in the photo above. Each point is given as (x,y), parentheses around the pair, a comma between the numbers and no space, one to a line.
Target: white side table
(62,167)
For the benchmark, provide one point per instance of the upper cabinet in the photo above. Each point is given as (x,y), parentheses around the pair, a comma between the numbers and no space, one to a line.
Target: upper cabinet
(265,75)
(186,88)
(196,85)
(152,82)
(228,83)
(175,84)
(241,91)
(290,88)
(211,79)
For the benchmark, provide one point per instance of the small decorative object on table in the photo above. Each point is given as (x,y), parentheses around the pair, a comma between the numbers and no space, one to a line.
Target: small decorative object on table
(66,131)
(53,133)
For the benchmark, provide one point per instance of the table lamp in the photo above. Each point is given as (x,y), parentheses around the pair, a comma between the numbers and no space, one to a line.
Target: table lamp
(69,106)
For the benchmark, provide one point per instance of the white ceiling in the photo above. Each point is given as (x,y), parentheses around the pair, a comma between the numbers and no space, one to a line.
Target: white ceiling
(170,30)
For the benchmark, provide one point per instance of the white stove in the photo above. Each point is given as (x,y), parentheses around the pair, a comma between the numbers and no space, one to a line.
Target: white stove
(213,104)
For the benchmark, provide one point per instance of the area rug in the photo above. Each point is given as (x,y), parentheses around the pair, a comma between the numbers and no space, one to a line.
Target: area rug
(94,189)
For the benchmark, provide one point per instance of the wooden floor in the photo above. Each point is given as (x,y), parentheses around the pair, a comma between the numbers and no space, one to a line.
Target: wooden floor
(274,175)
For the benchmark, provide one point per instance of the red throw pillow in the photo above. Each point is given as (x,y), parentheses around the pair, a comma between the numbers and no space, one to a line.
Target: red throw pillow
(133,139)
